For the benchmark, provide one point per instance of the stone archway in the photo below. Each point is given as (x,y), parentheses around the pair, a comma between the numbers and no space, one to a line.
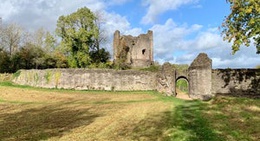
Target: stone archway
(179,93)
(198,76)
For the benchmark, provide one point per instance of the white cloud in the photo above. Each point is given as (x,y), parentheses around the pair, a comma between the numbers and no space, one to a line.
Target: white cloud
(169,40)
(118,2)
(42,13)
(45,13)
(7,9)
(245,58)
(220,51)
(113,22)
(157,7)
(208,39)
(171,44)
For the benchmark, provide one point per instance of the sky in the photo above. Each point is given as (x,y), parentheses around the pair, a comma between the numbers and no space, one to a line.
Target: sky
(182,28)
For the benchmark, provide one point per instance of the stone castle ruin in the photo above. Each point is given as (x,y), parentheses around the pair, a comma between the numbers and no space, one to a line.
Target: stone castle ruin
(204,82)
(136,52)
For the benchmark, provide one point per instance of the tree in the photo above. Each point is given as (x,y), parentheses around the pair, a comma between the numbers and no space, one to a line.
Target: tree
(44,45)
(97,54)
(61,60)
(11,36)
(78,32)
(28,57)
(4,61)
(50,42)
(243,24)
(43,39)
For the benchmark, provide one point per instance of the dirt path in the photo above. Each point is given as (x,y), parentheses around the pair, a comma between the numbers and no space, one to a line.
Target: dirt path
(182,95)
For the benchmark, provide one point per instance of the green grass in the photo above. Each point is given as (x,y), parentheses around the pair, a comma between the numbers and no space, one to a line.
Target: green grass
(191,124)
(223,118)
(11,84)
(152,68)
(139,115)
(182,85)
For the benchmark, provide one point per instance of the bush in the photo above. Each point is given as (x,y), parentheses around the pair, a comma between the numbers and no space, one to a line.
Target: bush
(121,66)
(5,62)
(152,68)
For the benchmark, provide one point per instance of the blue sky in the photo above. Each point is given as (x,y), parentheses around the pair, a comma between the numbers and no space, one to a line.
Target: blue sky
(182,28)
(204,12)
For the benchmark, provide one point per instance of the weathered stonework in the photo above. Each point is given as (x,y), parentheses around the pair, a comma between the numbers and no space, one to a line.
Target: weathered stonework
(204,83)
(200,77)
(136,52)
(84,79)
(166,80)
(237,82)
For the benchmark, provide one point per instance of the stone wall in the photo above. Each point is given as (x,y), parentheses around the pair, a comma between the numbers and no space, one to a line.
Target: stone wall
(204,83)
(236,82)
(84,79)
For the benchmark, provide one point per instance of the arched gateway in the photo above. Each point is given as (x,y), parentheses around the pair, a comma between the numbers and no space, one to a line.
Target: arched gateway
(198,76)
(182,87)
(181,75)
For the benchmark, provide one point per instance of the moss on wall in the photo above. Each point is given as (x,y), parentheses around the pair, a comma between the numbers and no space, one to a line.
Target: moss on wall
(89,79)
(57,76)
(48,76)
(17,74)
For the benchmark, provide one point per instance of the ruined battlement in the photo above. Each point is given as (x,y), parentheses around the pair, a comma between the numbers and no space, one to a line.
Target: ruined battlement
(136,52)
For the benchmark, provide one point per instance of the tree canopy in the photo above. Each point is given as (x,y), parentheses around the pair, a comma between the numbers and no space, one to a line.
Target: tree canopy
(242,25)
(21,49)
(81,34)
(78,32)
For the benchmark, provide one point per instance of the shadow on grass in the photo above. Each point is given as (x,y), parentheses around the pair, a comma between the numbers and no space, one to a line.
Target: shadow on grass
(236,118)
(191,124)
(43,123)
(184,122)
(151,128)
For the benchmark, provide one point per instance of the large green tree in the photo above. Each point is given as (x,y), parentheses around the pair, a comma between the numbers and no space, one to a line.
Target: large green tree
(242,25)
(78,32)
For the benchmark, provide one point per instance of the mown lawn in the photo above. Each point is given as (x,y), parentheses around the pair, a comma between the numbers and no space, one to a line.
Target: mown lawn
(42,114)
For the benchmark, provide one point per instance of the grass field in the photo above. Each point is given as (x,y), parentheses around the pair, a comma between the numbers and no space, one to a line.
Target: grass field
(42,114)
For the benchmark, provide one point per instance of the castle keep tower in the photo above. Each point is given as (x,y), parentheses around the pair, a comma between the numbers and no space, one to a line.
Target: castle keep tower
(134,51)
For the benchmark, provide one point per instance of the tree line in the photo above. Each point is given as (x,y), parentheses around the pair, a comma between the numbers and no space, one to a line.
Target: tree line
(75,44)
